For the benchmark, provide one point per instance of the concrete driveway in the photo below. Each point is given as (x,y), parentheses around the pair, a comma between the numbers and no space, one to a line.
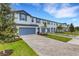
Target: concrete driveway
(44,46)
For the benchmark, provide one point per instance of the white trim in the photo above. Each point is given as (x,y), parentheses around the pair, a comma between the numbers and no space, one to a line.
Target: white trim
(27,26)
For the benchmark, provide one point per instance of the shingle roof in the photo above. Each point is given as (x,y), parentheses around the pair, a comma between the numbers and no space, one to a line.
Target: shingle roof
(19,11)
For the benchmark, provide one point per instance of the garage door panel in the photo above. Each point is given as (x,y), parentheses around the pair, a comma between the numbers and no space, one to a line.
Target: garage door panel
(26,31)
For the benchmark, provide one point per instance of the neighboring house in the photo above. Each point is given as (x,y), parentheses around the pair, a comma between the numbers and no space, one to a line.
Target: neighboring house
(27,24)
(64,27)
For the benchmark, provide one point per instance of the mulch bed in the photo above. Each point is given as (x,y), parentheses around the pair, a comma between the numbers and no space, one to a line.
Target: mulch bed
(43,34)
(6,52)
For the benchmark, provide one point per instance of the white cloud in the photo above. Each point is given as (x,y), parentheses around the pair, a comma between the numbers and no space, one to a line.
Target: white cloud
(17,4)
(64,11)
(36,4)
(74,20)
(65,5)
(49,8)
(67,12)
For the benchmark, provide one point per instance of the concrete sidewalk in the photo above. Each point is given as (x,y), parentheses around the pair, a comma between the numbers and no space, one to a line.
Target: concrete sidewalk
(44,46)
(74,40)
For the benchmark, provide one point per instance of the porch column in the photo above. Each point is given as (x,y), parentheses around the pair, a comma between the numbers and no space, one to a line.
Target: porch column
(40,29)
(36,30)
(50,30)
(45,30)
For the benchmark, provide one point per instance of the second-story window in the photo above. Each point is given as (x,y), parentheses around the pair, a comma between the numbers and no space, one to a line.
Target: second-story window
(51,23)
(23,17)
(32,19)
(37,20)
(48,22)
(54,23)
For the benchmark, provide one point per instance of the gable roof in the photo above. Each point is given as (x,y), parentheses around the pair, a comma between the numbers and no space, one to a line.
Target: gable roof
(21,11)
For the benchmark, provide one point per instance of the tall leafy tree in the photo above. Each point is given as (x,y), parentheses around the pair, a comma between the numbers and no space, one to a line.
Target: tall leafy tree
(59,28)
(77,28)
(7,27)
(45,25)
(71,28)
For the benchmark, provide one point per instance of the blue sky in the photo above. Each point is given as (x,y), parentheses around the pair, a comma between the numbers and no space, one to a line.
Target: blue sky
(59,12)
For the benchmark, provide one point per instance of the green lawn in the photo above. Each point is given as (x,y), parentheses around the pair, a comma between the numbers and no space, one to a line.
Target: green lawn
(20,48)
(74,33)
(69,33)
(63,39)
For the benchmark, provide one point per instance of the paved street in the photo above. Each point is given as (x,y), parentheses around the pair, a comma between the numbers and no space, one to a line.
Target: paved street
(49,47)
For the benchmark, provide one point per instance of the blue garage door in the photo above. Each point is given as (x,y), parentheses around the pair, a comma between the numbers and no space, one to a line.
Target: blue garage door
(43,30)
(26,31)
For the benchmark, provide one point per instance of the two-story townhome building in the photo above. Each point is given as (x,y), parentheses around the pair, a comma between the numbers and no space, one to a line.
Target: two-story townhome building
(28,24)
